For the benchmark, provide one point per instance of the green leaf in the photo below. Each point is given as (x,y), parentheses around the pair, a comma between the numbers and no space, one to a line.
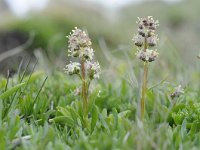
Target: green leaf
(104,124)
(2,139)
(11,91)
(74,114)
(115,114)
(34,76)
(178,107)
(3,83)
(63,120)
(178,118)
(94,117)
(92,98)
(194,128)
(63,111)
(125,113)
(183,129)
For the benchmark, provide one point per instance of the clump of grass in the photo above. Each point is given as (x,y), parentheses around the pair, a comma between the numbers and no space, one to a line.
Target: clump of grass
(145,39)
(86,68)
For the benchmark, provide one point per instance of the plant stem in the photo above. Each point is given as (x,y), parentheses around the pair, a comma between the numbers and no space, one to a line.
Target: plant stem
(84,88)
(144,89)
(144,84)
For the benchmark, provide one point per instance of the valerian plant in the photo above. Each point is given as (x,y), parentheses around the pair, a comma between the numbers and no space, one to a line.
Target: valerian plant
(144,40)
(85,68)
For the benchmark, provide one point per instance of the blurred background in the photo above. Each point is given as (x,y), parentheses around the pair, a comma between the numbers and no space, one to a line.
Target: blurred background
(33,30)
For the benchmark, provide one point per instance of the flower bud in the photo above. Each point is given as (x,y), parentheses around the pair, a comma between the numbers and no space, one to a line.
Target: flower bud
(148,55)
(152,40)
(147,26)
(138,40)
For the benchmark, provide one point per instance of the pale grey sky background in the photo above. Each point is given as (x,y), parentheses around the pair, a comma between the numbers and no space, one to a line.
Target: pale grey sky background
(22,7)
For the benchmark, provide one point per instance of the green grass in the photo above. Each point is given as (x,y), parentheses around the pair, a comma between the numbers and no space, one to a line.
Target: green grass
(51,117)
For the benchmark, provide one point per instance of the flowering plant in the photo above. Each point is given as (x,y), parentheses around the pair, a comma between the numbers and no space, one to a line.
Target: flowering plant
(86,68)
(144,40)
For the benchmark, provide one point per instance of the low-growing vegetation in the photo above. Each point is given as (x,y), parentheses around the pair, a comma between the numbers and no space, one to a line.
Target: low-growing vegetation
(59,111)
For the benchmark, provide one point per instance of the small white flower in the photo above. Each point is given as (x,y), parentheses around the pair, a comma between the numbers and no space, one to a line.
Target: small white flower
(87,53)
(152,40)
(148,55)
(93,69)
(72,68)
(147,26)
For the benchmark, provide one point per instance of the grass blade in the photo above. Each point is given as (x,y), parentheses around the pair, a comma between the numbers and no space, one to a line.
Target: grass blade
(11,91)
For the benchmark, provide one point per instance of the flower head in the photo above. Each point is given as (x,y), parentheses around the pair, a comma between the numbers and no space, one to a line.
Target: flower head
(152,40)
(148,55)
(72,68)
(138,40)
(79,44)
(86,53)
(93,69)
(146,37)
(147,26)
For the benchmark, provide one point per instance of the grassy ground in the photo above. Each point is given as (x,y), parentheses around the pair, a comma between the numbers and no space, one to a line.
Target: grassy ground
(44,113)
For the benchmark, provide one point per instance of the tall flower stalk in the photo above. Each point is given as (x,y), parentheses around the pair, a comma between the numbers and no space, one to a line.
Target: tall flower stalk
(144,40)
(85,67)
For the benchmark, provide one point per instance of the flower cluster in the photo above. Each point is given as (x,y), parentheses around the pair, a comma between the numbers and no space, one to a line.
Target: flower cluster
(146,37)
(93,69)
(80,46)
(72,68)
(148,55)
(177,92)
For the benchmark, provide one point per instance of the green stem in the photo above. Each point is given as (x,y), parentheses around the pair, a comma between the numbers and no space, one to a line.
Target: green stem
(144,84)
(84,88)
(144,89)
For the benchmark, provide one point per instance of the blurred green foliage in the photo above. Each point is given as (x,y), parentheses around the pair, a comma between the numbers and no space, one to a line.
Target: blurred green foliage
(54,118)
